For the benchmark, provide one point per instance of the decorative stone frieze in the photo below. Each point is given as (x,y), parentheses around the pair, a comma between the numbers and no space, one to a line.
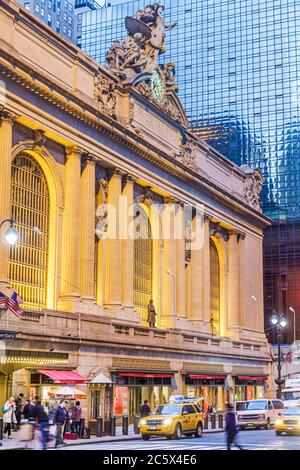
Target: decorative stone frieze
(105,94)
(253,187)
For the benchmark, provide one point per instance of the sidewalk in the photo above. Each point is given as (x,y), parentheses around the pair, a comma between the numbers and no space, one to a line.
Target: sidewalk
(14,444)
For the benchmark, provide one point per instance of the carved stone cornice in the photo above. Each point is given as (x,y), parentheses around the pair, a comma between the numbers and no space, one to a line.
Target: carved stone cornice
(6,115)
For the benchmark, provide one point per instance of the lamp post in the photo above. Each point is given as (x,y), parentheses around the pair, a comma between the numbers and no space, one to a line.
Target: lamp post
(279,322)
(11,234)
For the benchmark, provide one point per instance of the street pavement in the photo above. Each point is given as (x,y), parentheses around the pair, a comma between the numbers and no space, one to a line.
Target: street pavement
(250,440)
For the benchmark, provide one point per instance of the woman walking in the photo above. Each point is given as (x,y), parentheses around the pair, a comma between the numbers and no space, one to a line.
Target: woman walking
(9,416)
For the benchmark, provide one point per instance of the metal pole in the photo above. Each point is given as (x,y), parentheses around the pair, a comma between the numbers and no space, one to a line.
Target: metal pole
(279,361)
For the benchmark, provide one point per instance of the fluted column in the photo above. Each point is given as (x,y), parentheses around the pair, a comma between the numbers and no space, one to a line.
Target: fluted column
(180,268)
(206,269)
(233,284)
(168,319)
(242,279)
(127,244)
(113,272)
(70,258)
(196,293)
(87,232)
(6,125)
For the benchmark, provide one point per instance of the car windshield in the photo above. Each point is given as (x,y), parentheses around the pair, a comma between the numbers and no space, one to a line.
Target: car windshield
(256,405)
(291,411)
(291,395)
(167,410)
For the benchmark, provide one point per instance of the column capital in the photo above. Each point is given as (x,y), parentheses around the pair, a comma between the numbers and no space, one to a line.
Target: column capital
(117,172)
(89,158)
(207,218)
(74,151)
(6,116)
(232,233)
(241,235)
(170,200)
(130,178)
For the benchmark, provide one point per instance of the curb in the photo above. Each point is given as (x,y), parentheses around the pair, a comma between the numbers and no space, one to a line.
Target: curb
(88,442)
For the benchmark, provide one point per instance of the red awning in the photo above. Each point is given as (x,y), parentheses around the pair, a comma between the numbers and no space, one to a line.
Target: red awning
(146,376)
(249,377)
(64,376)
(206,377)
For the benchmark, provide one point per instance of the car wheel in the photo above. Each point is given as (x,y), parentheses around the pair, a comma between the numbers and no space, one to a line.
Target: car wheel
(199,430)
(145,438)
(178,432)
(268,425)
(169,437)
(278,433)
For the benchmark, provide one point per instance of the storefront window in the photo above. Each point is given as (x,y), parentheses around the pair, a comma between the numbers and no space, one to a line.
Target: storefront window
(214,289)
(95,410)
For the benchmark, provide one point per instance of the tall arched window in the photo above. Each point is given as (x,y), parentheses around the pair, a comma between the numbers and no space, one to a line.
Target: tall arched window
(28,259)
(214,288)
(143,254)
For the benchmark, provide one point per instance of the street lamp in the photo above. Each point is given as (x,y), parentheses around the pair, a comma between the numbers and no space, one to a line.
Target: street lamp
(279,322)
(11,234)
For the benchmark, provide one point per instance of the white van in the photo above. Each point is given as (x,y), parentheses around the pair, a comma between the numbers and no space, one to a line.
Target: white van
(291,393)
(258,414)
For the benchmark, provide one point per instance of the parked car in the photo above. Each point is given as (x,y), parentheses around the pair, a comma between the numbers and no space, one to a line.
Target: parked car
(259,413)
(173,421)
(291,393)
(289,422)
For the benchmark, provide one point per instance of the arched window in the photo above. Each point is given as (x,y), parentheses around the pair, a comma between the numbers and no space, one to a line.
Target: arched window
(143,254)
(214,288)
(28,259)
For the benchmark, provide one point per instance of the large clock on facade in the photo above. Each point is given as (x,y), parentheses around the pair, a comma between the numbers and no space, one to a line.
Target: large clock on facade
(157,86)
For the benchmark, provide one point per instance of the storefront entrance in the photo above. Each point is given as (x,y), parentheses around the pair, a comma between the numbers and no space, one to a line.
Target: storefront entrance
(210,388)
(131,392)
(249,388)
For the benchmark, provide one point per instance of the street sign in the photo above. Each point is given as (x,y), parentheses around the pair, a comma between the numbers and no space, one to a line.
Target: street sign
(7,335)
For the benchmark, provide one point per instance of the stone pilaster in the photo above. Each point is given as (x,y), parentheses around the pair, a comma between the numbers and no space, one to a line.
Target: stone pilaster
(196,291)
(70,259)
(168,319)
(206,269)
(113,272)
(242,278)
(127,245)
(6,125)
(233,286)
(87,232)
(180,268)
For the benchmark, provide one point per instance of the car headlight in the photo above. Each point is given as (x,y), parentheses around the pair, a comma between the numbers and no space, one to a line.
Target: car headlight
(143,422)
(279,422)
(167,421)
(262,416)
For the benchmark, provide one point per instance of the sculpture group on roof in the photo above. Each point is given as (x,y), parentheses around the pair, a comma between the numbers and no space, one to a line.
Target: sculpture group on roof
(146,40)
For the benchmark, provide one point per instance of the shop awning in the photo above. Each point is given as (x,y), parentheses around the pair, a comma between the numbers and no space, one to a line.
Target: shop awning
(207,377)
(64,376)
(249,377)
(145,375)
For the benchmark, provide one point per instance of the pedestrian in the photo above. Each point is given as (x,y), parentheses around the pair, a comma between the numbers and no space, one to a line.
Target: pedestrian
(9,416)
(19,408)
(145,409)
(26,408)
(231,428)
(76,413)
(61,418)
(42,420)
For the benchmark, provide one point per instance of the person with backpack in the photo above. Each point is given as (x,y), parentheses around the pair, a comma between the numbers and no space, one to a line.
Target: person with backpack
(9,416)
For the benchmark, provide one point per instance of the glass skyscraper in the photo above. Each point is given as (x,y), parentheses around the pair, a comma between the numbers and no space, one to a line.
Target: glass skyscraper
(238,71)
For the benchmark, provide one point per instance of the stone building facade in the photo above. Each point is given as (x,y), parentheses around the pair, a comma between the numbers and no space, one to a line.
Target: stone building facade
(76,141)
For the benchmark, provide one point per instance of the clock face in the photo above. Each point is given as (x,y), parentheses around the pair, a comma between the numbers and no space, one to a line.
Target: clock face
(157,86)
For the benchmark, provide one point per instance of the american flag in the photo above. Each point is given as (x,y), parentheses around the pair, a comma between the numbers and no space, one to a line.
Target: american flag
(12,303)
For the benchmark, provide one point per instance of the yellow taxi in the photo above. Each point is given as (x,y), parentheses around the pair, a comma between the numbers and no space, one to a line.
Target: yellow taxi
(289,422)
(173,420)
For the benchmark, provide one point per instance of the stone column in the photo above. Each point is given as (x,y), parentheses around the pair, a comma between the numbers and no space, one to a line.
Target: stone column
(233,285)
(242,279)
(206,269)
(113,272)
(87,232)
(70,258)
(196,291)
(127,244)
(180,268)
(6,125)
(168,319)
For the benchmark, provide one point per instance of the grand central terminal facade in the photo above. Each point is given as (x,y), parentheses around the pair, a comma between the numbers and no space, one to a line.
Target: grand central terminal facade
(84,152)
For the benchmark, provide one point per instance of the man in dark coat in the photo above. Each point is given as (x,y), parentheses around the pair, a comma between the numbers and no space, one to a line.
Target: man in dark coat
(231,428)
(61,418)
(145,409)
(41,418)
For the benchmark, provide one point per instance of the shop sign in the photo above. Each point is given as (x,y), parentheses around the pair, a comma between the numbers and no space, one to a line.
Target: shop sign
(7,335)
